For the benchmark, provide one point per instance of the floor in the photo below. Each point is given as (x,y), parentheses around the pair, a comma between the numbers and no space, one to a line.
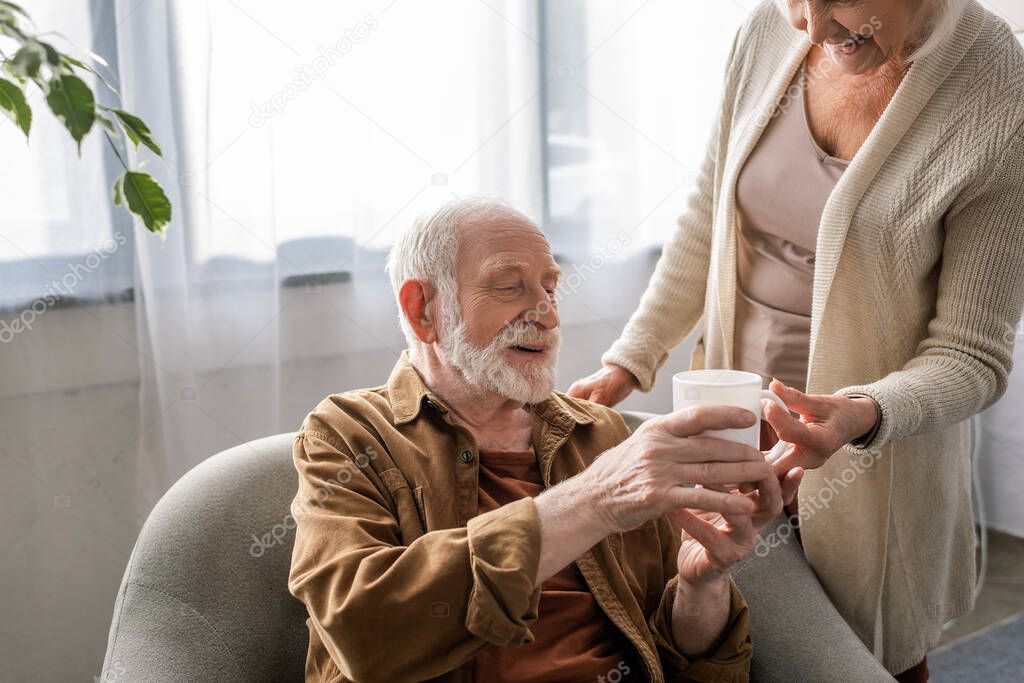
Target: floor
(1002,594)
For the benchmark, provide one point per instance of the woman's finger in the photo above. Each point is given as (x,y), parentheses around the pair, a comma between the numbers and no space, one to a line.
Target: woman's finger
(794,398)
(786,426)
(773,460)
(789,460)
(769,497)
(790,484)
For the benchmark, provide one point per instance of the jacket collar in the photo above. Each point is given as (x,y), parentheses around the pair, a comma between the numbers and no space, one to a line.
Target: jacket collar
(407,394)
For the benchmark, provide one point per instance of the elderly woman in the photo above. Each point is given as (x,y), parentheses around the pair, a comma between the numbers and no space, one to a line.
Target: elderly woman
(856,232)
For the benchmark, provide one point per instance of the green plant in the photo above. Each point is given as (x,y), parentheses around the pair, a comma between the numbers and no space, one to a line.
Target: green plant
(72,101)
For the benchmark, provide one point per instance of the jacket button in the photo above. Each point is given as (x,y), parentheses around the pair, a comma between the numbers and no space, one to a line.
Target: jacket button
(466,456)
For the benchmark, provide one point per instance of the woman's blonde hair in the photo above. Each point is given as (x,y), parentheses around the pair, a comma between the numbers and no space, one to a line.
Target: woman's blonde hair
(941,24)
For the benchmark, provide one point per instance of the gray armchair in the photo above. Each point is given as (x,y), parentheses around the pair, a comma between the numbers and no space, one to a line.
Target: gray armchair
(205,597)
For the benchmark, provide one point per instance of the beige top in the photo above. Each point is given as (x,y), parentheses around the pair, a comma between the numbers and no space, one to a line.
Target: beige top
(917,290)
(780,194)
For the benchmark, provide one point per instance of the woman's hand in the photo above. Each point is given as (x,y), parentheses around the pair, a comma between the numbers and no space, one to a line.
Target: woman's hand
(826,424)
(607,386)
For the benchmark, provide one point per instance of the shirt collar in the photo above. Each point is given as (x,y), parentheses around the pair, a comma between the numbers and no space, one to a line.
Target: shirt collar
(407,392)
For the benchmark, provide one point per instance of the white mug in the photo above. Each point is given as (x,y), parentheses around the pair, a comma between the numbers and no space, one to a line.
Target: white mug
(727,388)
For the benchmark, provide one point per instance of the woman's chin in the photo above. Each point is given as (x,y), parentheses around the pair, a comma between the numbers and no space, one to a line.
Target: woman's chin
(854,59)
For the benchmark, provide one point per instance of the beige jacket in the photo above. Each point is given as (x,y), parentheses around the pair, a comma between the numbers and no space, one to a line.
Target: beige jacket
(405,580)
(917,293)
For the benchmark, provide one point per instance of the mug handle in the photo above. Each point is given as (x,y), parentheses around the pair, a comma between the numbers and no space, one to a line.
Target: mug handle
(779,447)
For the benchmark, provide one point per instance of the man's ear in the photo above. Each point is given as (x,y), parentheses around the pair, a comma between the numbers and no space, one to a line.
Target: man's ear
(418,300)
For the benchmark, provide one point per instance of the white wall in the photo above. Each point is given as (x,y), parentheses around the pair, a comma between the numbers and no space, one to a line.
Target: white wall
(1000,460)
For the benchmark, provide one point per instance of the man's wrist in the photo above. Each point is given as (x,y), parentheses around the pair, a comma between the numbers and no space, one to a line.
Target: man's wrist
(699,613)
(708,588)
(569,524)
(595,504)
(587,502)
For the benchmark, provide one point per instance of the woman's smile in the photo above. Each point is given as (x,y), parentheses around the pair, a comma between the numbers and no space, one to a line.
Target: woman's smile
(847,47)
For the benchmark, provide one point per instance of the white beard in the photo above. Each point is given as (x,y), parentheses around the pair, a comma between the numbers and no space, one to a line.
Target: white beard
(487,366)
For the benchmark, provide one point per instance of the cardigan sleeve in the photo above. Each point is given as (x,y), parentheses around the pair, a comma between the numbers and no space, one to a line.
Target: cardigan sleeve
(962,365)
(673,302)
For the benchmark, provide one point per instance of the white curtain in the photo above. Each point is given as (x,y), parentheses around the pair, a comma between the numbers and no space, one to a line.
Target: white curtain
(639,97)
(298,142)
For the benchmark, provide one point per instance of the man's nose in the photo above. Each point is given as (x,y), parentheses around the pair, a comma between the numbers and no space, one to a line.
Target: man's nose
(545,311)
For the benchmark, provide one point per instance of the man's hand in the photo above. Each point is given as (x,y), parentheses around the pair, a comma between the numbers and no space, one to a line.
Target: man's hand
(712,543)
(656,468)
(651,472)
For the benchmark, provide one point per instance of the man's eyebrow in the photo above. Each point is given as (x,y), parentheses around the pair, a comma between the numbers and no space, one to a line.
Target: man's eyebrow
(505,265)
(502,265)
(555,271)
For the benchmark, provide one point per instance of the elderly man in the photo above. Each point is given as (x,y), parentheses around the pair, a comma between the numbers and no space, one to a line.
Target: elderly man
(466,522)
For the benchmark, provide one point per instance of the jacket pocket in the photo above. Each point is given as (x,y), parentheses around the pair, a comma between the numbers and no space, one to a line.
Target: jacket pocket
(421,506)
(409,520)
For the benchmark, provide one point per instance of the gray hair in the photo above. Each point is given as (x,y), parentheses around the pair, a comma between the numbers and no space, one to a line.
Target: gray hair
(942,24)
(428,249)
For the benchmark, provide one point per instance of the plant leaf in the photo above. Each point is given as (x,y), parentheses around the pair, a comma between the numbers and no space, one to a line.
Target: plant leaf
(14,8)
(27,60)
(136,130)
(145,199)
(77,62)
(14,105)
(119,190)
(109,126)
(68,61)
(8,10)
(12,72)
(72,102)
(52,56)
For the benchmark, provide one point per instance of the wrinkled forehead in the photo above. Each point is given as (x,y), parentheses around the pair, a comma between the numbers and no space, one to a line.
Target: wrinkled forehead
(504,243)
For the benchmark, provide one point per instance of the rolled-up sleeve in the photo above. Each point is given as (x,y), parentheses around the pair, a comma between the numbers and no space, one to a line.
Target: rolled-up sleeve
(392,612)
(504,552)
(727,662)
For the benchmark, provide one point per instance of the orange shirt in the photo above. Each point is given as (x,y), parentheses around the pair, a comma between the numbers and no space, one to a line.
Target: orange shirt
(574,640)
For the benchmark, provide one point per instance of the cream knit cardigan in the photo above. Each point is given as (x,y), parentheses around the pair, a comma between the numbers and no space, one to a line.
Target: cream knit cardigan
(918,288)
